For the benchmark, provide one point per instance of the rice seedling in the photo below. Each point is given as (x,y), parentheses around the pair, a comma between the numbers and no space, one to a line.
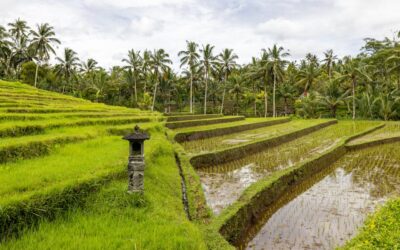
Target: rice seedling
(391,129)
(236,139)
(326,210)
(191,123)
(224,183)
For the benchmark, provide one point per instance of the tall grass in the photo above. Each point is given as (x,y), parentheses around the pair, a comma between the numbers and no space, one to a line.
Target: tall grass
(112,219)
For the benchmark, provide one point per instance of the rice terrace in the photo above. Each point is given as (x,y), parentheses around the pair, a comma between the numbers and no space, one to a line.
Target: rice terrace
(294,145)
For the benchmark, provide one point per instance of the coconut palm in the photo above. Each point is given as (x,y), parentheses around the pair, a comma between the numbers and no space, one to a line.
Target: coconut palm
(307,75)
(278,66)
(99,84)
(352,71)
(146,68)
(159,62)
(89,66)
(18,29)
(332,96)
(288,92)
(261,69)
(67,66)
(388,105)
(190,57)
(208,62)
(42,42)
(329,61)
(134,62)
(236,90)
(227,60)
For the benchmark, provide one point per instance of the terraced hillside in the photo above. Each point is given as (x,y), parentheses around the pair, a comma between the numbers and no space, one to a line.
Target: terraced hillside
(63,162)
(230,181)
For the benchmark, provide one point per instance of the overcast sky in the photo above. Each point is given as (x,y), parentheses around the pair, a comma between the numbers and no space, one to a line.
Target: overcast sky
(106,29)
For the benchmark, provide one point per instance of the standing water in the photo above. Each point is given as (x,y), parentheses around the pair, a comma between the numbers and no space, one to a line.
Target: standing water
(224,183)
(327,209)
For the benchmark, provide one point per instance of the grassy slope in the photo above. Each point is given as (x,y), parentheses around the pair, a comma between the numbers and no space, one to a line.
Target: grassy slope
(110,218)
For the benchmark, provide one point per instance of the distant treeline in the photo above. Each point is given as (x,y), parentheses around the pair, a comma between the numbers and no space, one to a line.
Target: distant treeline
(365,86)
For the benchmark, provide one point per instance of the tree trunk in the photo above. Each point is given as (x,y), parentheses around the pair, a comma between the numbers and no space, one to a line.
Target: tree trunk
(286,106)
(155,92)
(223,93)
(36,73)
(169,102)
(273,98)
(255,99)
(205,94)
(354,97)
(265,101)
(154,97)
(135,89)
(191,93)
(237,104)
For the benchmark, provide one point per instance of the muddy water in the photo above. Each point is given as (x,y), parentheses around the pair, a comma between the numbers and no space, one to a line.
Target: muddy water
(326,210)
(223,184)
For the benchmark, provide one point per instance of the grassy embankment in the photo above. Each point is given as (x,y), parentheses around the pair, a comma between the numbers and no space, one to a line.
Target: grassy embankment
(74,195)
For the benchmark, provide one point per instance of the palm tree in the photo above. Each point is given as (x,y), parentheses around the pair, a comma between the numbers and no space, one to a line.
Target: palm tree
(332,96)
(18,29)
(388,105)
(99,84)
(329,61)
(159,61)
(307,76)
(134,62)
(67,65)
(236,90)
(190,57)
(42,42)
(261,69)
(354,69)
(288,92)
(208,62)
(146,67)
(89,66)
(278,67)
(88,69)
(227,60)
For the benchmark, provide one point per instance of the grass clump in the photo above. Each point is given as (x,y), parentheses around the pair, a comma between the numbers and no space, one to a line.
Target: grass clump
(381,230)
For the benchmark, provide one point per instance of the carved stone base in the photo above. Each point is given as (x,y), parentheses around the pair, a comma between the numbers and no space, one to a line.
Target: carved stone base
(136,174)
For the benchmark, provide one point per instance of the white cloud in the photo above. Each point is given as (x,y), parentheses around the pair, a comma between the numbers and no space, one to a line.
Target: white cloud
(146,26)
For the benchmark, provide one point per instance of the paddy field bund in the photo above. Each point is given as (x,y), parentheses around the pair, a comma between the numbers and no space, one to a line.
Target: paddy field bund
(63,174)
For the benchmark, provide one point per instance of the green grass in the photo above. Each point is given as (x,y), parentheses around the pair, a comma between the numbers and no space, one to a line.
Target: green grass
(72,163)
(381,230)
(113,219)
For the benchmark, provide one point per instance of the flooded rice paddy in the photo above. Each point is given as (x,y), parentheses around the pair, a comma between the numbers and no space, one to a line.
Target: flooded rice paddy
(327,209)
(390,129)
(225,141)
(224,183)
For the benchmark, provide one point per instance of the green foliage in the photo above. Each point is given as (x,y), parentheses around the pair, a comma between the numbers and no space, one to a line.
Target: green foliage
(381,230)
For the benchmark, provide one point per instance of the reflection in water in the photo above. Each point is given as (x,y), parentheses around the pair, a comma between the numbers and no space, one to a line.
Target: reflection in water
(325,211)
(228,186)
(224,183)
